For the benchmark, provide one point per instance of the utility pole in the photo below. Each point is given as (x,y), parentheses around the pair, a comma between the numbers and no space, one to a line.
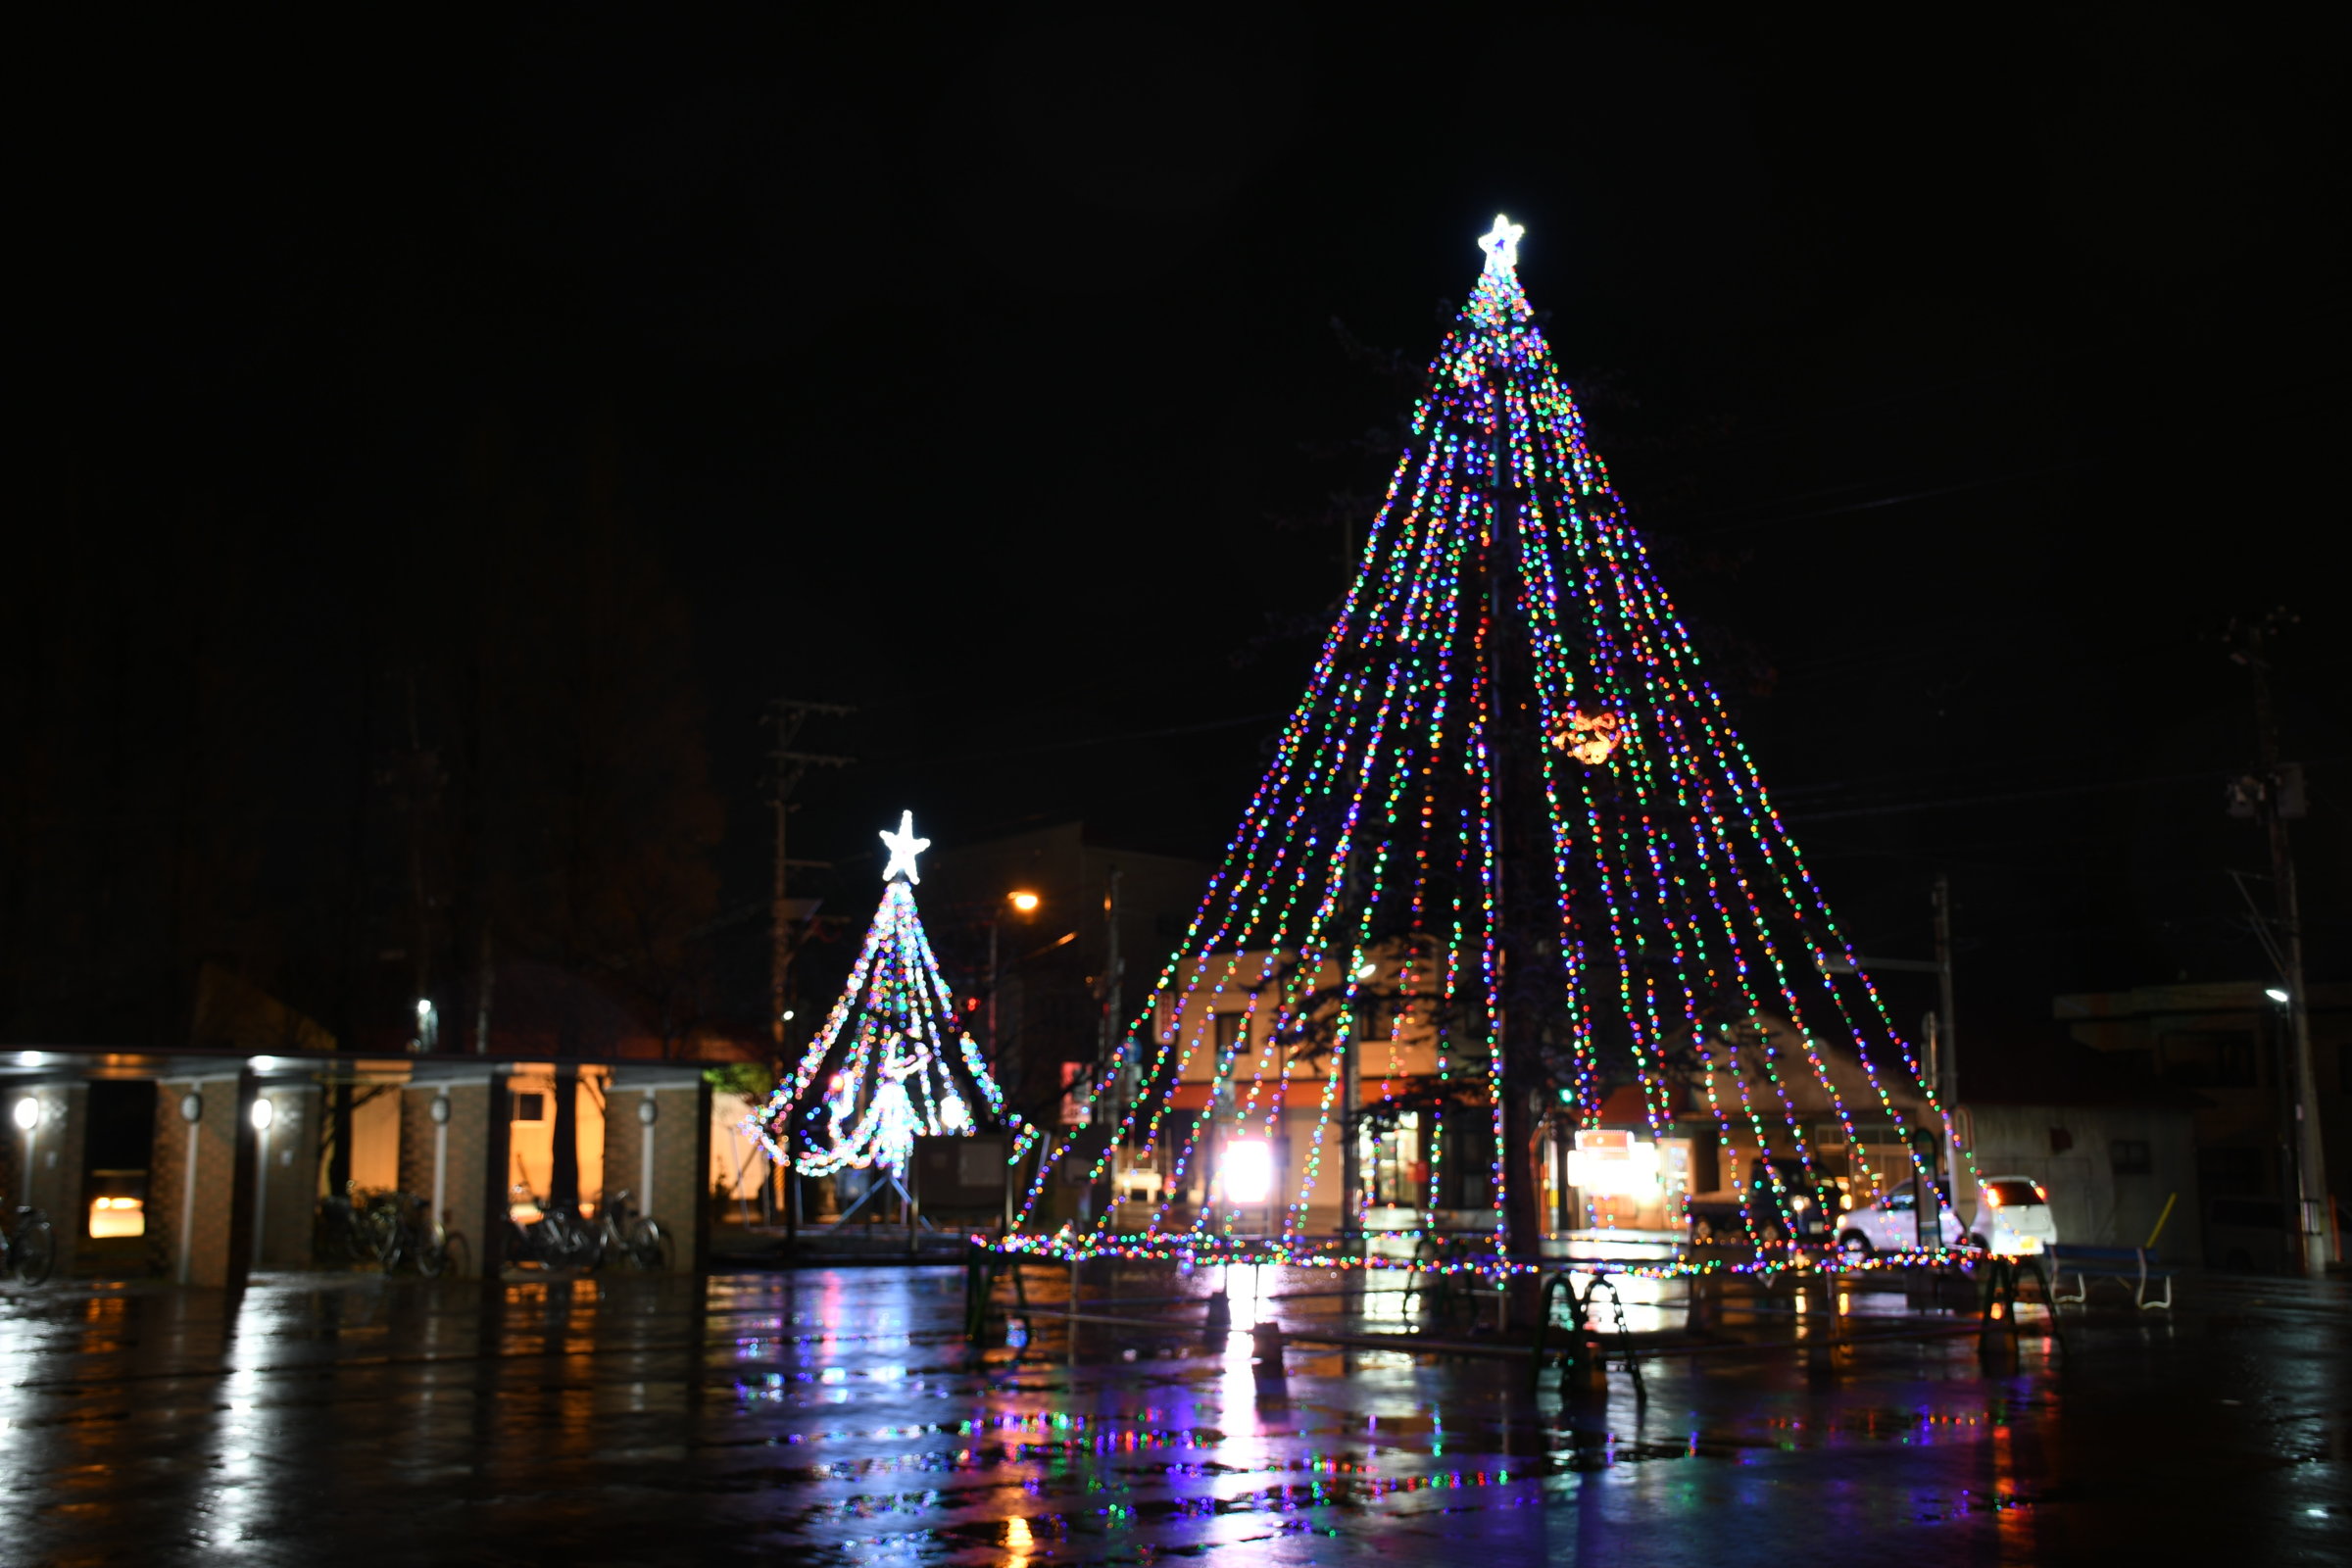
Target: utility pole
(2274,794)
(1113,967)
(1515,1032)
(1351,1175)
(1940,1067)
(786,769)
(421,779)
(1947,1034)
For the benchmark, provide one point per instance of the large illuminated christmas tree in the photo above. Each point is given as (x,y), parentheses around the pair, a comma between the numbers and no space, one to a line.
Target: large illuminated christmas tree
(889,1062)
(1511,819)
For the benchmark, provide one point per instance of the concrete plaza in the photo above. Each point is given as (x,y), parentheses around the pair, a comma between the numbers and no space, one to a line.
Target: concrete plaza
(836,1416)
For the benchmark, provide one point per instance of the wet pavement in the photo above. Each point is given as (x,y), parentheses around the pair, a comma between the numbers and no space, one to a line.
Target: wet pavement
(836,1417)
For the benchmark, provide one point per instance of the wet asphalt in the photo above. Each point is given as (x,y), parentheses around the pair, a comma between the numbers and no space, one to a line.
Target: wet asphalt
(836,1416)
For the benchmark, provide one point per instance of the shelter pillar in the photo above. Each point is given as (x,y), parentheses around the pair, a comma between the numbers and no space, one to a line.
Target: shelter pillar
(657,1146)
(282,1120)
(453,1153)
(202,1163)
(49,1122)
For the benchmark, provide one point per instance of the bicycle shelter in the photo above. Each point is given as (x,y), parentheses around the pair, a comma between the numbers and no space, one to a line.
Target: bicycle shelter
(230,1163)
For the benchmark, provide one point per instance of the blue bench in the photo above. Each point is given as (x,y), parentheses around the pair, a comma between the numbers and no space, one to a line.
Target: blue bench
(2129,1266)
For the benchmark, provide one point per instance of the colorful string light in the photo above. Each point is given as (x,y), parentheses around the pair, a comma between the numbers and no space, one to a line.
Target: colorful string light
(1334,1254)
(1502,595)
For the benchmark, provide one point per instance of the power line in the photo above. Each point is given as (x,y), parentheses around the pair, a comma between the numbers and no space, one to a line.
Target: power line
(958,758)
(2019,476)
(2213,774)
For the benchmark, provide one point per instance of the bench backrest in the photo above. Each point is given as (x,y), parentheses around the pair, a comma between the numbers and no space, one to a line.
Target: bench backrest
(2096,1255)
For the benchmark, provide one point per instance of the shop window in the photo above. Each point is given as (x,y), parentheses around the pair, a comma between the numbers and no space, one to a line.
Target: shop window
(2131,1156)
(2210,1058)
(1466,1180)
(1399,1176)
(1227,1028)
(530,1107)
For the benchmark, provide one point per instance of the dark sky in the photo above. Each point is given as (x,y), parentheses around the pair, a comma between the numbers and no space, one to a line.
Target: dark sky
(982,373)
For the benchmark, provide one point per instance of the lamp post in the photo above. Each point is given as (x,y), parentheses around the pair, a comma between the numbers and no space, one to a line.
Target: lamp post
(1024,904)
(262,1115)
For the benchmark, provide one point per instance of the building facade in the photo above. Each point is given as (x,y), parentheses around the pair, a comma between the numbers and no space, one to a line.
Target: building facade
(2229,1044)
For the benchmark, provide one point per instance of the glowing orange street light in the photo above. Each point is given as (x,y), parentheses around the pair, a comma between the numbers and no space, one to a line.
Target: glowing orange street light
(1023,902)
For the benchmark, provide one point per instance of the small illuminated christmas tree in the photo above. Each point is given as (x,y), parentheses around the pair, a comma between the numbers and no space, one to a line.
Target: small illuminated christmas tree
(890,1062)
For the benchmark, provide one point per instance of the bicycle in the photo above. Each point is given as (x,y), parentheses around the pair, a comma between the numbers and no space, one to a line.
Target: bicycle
(558,1239)
(641,1239)
(29,1247)
(409,1235)
(441,1250)
(349,1228)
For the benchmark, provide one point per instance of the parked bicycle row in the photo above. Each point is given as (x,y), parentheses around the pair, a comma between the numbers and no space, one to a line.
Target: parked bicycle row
(392,1229)
(562,1238)
(397,1231)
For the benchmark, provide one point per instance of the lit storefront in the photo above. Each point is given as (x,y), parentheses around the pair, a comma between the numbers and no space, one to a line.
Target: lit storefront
(1621,1180)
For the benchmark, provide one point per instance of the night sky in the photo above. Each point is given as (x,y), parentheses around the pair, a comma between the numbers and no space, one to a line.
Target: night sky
(1020,383)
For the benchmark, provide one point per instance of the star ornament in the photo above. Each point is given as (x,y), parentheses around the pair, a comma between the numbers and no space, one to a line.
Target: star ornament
(904,847)
(1501,244)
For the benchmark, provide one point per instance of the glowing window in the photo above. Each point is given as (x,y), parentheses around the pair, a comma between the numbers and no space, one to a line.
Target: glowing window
(117,1216)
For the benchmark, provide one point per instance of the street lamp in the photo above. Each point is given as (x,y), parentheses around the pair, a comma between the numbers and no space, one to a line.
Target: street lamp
(1024,904)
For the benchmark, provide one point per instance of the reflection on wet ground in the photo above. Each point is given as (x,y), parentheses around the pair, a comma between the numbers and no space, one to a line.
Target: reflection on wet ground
(837,1417)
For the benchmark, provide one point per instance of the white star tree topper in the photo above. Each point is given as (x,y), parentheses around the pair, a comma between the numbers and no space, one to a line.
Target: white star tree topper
(904,847)
(1501,244)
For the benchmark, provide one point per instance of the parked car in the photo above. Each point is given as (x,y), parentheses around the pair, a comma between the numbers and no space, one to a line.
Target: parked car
(2013,1215)
(1891,1224)
(2248,1236)
(1794,1206)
